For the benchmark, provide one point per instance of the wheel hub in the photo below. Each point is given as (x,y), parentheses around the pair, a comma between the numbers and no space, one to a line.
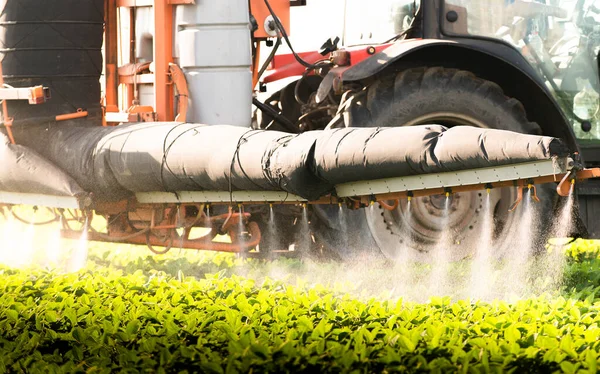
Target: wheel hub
(430,216)
(423,223)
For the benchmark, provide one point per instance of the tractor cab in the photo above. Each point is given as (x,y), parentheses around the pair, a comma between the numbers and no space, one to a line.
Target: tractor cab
(559,39)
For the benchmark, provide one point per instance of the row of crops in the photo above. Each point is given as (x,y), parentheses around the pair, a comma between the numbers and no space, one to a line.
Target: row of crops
(189,312)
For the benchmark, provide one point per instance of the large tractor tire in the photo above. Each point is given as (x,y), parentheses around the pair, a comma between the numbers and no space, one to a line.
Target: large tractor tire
(434,95)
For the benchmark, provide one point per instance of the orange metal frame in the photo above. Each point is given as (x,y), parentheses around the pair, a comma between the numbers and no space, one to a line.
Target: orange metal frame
(163,77)
(111,33)
(261,13)
(5,116)
(157,227)
(163,55)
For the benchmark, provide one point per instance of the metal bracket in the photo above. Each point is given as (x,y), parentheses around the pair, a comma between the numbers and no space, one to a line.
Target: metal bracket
(34,95)
(216,197)
(66,202)
(455,179)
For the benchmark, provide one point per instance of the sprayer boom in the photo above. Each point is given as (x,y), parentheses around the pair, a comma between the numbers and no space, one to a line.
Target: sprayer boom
(216,173)
(511,175)
(561,170)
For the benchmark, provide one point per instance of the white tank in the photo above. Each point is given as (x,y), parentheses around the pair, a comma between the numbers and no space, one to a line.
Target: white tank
(214,49)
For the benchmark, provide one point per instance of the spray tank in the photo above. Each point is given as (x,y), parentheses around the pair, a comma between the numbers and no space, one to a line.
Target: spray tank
(214,51)
(59,46)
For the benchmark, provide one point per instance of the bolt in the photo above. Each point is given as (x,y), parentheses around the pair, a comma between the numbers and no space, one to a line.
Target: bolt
(430,211)
(477,210)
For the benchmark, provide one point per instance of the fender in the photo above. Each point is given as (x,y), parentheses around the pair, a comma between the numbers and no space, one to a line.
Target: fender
(493,60)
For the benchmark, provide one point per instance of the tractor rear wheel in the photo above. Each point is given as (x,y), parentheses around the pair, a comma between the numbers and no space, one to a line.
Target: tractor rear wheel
(447,97)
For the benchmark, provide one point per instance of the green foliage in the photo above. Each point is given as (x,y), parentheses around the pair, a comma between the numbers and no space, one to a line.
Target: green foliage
(583,250)
(582,271)
(129,312)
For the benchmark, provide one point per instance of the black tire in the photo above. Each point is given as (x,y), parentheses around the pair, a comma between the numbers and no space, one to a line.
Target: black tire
(424,96)
(422,92)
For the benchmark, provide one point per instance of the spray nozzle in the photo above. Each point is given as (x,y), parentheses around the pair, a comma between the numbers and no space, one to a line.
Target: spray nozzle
(304,205)
(271,205)
(529,186)
(573,181)
(409,198)
(448,191)
(340,205)
(488,188)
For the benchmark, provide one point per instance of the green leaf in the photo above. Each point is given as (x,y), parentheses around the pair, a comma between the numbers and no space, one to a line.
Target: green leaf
(512,334)
(71,314)
(407,343)
(132,327)
(78,334)
(260,350)
(12,315)
(591,360)
(568,367)
(51,316)
(211,367)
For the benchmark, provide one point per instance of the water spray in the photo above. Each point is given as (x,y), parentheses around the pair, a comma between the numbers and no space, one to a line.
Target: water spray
(304,231)
(482,267)
(241,227)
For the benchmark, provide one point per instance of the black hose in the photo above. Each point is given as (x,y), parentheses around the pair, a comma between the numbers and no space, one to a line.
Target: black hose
(314,111)
(304,75)
(286,38)
(403,33)
(297,87)
(270,58)
(41,223)
(277,117)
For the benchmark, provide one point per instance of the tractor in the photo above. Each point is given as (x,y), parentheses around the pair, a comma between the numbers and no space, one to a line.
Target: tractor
(101,97)
(522,66)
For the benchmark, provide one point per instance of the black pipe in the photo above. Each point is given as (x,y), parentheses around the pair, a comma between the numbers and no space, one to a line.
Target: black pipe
(277,117)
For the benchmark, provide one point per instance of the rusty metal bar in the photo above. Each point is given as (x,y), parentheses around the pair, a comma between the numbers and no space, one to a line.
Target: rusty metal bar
(134,3)
(199,244)
(5,117)
(178,78)
(65,117)
(130,88)
(111,46)
(163,55)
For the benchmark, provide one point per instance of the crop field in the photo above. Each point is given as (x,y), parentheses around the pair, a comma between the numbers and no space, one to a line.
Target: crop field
(130,311)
